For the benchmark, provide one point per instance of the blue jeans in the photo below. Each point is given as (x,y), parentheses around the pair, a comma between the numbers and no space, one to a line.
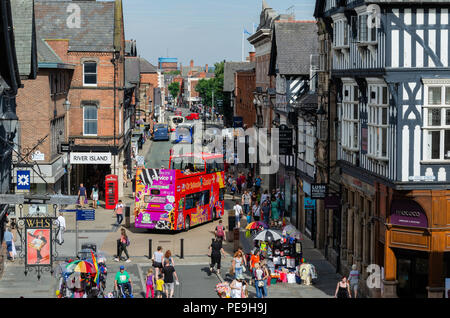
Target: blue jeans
(119,218)
(246,208)
(261,291)
(237,272)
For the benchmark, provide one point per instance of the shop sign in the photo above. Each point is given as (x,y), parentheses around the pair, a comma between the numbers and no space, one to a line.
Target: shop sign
(286,139)
(90,158)
(319,190)
(309,204)
(38,249)
(332,202)
(408,213)
(38,156)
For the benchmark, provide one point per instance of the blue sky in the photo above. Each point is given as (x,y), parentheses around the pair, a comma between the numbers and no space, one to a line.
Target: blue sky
(207,31)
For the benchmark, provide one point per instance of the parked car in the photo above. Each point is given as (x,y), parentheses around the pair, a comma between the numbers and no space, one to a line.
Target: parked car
(193,116)
(161,132)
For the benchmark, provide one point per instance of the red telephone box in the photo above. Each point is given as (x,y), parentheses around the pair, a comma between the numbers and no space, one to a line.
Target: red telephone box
(111,191)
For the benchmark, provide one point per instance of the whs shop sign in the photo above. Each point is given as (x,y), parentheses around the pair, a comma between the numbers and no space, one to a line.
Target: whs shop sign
(90,158)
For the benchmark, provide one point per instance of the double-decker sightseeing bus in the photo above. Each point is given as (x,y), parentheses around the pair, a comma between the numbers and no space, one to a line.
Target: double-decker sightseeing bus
(189,193)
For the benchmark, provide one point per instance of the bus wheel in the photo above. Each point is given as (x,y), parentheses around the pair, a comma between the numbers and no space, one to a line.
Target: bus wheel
(187,223)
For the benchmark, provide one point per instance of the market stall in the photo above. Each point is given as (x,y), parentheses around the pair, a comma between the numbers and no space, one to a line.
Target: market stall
(284,256)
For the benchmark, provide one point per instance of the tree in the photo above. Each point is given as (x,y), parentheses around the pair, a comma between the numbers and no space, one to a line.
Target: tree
(174,89)
(206,87)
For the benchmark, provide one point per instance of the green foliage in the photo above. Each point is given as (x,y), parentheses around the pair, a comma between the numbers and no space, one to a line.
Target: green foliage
(174,89)
(206,87)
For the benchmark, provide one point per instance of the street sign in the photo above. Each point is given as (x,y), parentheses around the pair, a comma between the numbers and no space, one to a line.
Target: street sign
(319,190)
(86,215)
(23,180)
(286,140)
(64,211)
(65,147)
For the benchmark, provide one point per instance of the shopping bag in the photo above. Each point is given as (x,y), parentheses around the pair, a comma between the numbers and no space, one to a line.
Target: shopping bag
(249,219)
(247,234)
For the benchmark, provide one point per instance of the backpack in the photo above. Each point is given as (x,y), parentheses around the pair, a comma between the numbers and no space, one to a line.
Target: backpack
(220,231)
(128,242)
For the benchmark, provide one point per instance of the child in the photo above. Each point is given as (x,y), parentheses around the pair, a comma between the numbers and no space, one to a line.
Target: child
(150,283)
(159,286)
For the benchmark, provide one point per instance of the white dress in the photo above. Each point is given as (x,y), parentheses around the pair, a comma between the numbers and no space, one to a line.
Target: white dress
(237,293)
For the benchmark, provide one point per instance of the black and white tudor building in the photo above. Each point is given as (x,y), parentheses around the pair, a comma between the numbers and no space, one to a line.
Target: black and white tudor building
(390,63)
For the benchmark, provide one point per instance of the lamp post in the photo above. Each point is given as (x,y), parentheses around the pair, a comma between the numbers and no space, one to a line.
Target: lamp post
(69,167)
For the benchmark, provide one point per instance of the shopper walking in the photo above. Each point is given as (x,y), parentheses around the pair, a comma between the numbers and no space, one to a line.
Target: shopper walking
(119,212)
(265,196)
(256,211)
(82,195)
(94,196)
(237,214)
(261,274)
(8,237)
(215,252)
(246,201)
(159,286)
(239,184)
(168,256)
(274,209)
(61,227)
(169,272)
(353,279)
(258,182)
(237,264)
(343,289)
(239,287)
(157,259)
(151,282)
(220,231)
(266,212)
(124,242)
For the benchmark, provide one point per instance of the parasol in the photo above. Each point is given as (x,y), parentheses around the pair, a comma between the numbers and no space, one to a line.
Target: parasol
(256,225)
(267,236)
(292,231)
(81,267)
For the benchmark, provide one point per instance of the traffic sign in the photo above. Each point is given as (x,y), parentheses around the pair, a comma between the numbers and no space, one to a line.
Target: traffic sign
(86,215)
(68,211)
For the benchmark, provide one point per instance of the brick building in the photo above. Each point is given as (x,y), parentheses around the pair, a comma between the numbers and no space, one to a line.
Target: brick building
(244,89)
(168,64)
(42,121)
(96,49)
(149,81)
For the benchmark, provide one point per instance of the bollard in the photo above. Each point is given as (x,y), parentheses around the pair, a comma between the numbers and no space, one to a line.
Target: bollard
(149,248)
(118,248)
(127,216)
(181,248)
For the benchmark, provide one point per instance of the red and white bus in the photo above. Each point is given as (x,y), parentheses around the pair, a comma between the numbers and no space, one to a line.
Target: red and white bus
(189,193)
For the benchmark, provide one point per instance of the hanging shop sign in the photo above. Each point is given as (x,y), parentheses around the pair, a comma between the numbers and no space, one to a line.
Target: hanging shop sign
(319,190)
(38,242)
(38,156)
(90,158)
(23,180)
(332,202)
(286,139)
(408,213)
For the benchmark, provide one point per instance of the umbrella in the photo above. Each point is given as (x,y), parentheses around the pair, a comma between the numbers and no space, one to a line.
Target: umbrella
(256,225)
(292,231)
(267,236)
(81,267)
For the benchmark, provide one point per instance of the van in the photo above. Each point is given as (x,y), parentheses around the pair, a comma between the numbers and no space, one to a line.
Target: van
(174,121)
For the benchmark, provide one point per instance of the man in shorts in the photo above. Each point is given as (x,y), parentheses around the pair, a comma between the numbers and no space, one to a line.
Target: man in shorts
(169,271)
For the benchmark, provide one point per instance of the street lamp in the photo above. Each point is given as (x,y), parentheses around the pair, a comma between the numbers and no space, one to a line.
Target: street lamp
(67,105)
(9,121)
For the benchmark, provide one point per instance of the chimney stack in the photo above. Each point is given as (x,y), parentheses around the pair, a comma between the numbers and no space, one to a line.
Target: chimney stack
(206,68)
(192,63)
(252,56)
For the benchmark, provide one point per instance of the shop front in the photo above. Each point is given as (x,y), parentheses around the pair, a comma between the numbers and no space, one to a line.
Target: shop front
(417,245)
(90,169)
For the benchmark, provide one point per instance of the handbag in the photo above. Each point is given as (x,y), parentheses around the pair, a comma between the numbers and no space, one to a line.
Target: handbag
(243,269)
(260,283)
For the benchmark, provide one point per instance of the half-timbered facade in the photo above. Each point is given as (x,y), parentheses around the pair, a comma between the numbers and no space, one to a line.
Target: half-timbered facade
(390,62)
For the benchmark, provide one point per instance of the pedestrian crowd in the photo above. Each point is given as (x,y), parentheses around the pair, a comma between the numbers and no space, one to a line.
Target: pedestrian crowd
(254,203)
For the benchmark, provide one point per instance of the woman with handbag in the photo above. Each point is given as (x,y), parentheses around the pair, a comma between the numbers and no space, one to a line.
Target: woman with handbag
(261,276)
(94,196)
(238,264)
